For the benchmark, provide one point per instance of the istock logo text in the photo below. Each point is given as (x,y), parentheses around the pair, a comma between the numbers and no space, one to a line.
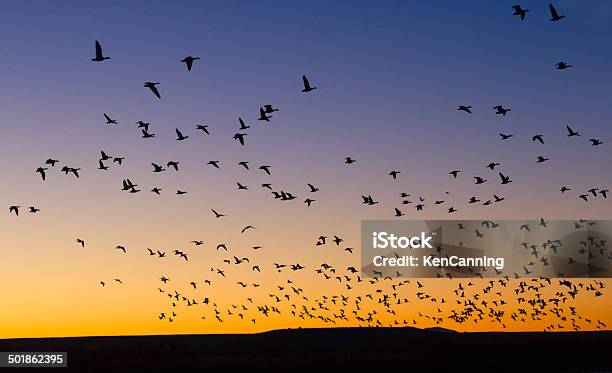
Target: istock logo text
(383,240)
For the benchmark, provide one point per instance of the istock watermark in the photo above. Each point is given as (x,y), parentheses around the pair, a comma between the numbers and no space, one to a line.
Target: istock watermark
(383,240)
(486,248)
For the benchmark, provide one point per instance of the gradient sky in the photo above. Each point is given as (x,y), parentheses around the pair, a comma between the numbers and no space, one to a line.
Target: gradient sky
(389,76)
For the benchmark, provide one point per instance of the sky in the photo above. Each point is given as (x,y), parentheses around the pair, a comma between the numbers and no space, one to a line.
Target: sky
(389,78)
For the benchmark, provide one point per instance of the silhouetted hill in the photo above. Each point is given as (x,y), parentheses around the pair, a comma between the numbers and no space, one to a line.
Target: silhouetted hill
(441,330)
(413,349)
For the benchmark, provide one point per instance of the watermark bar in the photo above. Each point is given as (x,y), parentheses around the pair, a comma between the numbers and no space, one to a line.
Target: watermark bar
(486,248)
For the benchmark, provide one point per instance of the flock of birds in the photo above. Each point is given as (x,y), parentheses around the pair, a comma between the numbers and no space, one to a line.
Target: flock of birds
(371,301)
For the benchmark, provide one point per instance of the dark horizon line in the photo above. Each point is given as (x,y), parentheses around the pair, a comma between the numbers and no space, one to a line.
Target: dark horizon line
(435,330)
